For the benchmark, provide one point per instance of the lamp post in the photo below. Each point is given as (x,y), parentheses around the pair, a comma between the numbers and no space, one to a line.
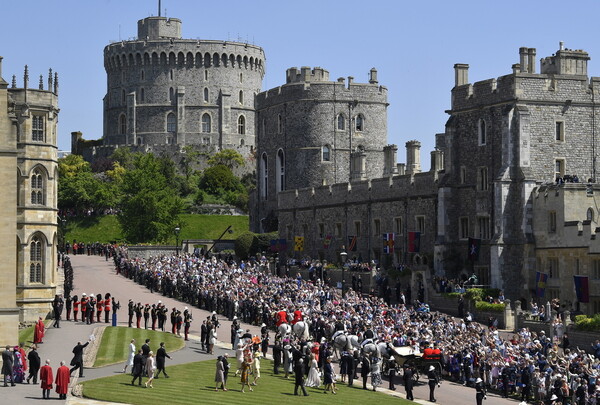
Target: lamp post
(343,256)
(228,229)
(177,230)
(63,227)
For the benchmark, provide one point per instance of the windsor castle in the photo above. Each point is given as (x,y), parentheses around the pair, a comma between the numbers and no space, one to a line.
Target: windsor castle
(324,169)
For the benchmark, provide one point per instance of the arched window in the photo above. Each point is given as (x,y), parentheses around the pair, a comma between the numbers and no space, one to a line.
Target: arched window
(36,266)
(341,122)
(242,143)
(326,152)
(241,78)
(359,123)
(171,93)
(122,124)
(264,176)
(206,75)
(280,170)
(171,123)
(37,128)
(206,123)
(241,97)
(139,141)
(590,214)
(206,95)
(279,124)
(481,128)
(37,187)
(241,125)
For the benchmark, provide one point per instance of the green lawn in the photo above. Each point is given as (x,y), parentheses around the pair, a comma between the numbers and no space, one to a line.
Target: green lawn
(114,347)
(106,228)
(193,383)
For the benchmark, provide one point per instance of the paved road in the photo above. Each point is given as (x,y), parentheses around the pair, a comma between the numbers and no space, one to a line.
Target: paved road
(94,275)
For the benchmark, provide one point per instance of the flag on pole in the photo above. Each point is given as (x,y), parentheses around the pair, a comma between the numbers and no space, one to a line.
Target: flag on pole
(414,242)
(540,284)
(278,245)
(327,241)
(388,243)
(582,288)
(352,242)
(298,243)
(474,248)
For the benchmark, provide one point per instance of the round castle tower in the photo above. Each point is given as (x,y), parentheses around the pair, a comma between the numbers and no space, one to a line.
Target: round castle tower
(165,90)
(313,131)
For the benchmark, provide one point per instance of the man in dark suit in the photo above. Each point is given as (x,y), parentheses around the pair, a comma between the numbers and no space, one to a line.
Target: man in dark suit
(145,353)
(161,355)
(7,366)
(408,382)
(365,369)
(138,363)
(203,334)
(77,361)
(34,364)
(276,356)
(299,377)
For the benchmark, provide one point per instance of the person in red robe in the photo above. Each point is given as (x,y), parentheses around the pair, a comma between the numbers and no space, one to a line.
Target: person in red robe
(63,378)
(47,378)
(23,356)
(38,331)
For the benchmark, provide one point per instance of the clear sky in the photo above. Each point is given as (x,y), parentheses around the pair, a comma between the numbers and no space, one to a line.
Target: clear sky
(414,46)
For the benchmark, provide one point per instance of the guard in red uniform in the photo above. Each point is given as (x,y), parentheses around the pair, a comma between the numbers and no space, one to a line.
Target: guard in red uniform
(83,303)
(281,317)
(99,307)
(75,307)
(297,316)
(106,307)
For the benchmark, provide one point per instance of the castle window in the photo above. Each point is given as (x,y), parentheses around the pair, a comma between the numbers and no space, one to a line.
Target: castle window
(359,123)
(37,128)
(241,125)
(338,230)
(206,125)
(123,97)
(206,140)
(484,227)
(596,270)
(279,124)
(481,129)
(171,93)
(241,78)
(377,226)
(171,123)
(420,224)
(264,176)
(171,74)
(37,187)
(341,122)
(553,267)
(205,74)
(206,95)
(241,97)
(463,175)
(321,230)
(552,222)
(280,167)
(142,95)
(263,126)
(122,124)
(326,153)
(398,226)
(142,75)
(357,229)
(559,168)
(463,230)
(482,179)
(139,141)
(242,143)
(589,215)
(36,265)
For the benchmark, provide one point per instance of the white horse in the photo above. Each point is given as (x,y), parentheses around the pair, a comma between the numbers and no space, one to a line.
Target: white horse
(301,330)
(376,349)
(284,329)
(343,341)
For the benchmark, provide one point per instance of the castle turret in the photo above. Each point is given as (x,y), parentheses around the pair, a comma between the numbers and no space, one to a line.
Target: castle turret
(413,157)
(151,28)
(566,62)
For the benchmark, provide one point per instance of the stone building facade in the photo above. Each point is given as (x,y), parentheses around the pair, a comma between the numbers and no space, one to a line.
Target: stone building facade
(165,92)
(565,227)
(313,131)
(504,137)
(28,162)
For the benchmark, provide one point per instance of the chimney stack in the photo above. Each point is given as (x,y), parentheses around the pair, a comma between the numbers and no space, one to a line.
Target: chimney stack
(531,67)
(373,76)
(523,59)
(413,157)
(461,74)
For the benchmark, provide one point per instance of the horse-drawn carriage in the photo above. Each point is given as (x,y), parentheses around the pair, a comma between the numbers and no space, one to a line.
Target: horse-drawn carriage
(406,356)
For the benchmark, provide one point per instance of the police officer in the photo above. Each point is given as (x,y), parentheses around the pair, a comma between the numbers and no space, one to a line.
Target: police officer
(480,392)
(433,381)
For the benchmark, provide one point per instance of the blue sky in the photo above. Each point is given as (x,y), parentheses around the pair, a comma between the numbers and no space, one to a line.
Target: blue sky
(414,46)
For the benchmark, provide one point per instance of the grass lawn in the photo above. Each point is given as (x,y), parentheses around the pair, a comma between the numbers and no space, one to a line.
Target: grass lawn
(106,228)
(194,383)
(114,347)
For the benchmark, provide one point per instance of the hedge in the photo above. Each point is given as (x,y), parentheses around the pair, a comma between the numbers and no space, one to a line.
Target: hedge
(588,323)
(487,307)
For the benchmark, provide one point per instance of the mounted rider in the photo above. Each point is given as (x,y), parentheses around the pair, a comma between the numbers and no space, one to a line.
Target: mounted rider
(298,316)
(280,318)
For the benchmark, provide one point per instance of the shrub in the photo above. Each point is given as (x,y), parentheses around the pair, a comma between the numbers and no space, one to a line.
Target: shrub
(588,323)
(487,307)
(475,294)
(243,244)
(453,295)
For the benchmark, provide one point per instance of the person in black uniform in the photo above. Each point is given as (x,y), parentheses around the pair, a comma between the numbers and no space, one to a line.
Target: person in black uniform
(130,312)
(203,334)
(392,369)
(299,377)
(434,380)
(137,370)
(161,355)
(365,369)
(77,361)
(34,364)
(276,356)
(408,382)
(480,392)
(57,306)
(145,353)
(146,315)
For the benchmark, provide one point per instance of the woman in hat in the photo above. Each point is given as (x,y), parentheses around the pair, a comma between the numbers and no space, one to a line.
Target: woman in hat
(220,375)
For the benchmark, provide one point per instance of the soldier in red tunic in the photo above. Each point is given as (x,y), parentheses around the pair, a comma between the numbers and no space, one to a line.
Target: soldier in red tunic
(106,307)
(75,307)
(99,307)
(280,317)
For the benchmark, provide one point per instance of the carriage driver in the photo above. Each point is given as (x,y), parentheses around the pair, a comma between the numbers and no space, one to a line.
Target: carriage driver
(368,336)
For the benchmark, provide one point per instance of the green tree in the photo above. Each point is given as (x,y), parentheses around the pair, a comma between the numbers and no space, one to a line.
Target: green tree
(125,157)
(227,157)
(77,185)
(150,206)
(217,180)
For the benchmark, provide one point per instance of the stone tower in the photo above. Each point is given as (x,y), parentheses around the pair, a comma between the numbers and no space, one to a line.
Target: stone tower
(28,120)
(166,90)
(313,131)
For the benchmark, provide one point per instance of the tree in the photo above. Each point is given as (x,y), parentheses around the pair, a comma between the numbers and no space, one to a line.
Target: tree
(227,157)
(219,179)
(150,206)
(76,183)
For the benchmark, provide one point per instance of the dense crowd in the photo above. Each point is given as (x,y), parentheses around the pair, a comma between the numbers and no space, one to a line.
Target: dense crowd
(528,363)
